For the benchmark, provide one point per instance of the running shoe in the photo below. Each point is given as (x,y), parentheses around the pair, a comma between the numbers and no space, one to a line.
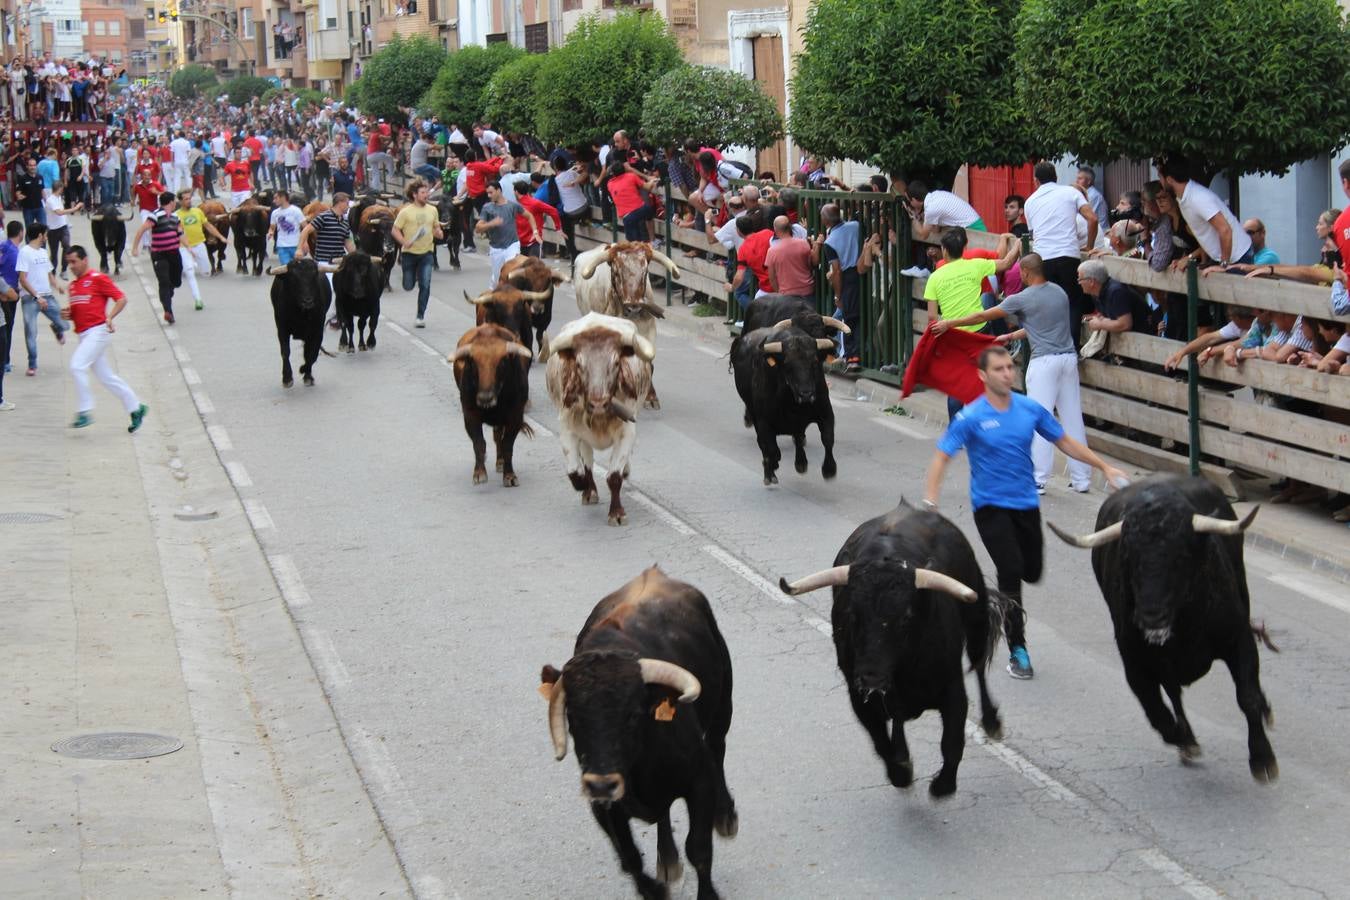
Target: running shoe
(137,417)
(82,420)
(6,406)
(168,318)
(1019,664)
(199,305)
(60,334)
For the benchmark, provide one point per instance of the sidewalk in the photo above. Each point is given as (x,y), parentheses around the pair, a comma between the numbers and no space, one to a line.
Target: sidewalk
(138,599)
(1305,535)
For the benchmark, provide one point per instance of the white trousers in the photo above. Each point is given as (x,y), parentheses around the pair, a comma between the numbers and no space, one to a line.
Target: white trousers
(194,261)
(499,258)
(238,197)
(146,216)
(90,355)
(182,177)
(1052,381)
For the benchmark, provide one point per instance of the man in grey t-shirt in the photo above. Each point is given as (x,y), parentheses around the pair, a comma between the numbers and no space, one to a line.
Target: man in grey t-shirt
(497,220)
(1052,376)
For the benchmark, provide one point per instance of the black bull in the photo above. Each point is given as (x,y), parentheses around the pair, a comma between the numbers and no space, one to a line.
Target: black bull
(109,231)
(645,648)
(300,300)
(908,598)
(357,286)
(1167,553)
(250,237)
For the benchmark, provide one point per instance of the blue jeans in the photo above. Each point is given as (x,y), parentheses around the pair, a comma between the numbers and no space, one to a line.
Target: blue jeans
(417,270)
(285,255)
(107,190)
(428,172)
(30,317)
(34,215)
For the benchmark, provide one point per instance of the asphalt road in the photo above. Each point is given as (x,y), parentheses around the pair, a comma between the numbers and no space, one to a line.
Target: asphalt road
(430,604)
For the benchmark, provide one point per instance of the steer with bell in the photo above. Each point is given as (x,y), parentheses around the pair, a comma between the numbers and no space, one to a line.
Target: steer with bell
(647,697)
(908,599)
(1167,554)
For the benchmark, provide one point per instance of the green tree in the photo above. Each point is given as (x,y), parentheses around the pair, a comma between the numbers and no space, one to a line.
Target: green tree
(189,81)
(594,83)
(244,88)
(716,107)
(508,99)
(457,94)
(1242,88)
(396,77)
(921,86)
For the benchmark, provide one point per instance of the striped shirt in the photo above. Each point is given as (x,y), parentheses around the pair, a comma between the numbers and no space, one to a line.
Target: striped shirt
(164,234)
(1293,336)
(331,233)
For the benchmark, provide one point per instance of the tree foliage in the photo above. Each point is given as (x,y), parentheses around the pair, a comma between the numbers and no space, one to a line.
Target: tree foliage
(1237,87)
(716,107)
(922,86)
(457,94)
(594,83)
(244,88)
(508,99)
(396,77)
(189,81)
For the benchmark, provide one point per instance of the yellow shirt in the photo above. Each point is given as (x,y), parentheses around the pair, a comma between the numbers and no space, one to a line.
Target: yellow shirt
(956,288)
(193,221)
(417,224)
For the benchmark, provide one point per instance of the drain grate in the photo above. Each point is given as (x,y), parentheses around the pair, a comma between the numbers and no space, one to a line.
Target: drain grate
(27,518)
(117,745)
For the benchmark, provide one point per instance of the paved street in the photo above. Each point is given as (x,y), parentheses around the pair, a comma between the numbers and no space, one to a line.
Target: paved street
(428,605)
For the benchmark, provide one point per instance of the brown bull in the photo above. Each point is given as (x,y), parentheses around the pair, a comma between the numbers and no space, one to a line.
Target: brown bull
(509,308)
(219,217)
(314,208)
(527,273)
(374,236)
(491,368)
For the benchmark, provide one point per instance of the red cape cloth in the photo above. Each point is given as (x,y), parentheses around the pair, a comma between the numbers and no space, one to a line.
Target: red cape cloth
(947,363)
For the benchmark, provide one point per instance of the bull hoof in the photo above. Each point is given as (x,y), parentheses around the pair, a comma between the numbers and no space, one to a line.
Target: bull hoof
(618,518)
(993,728)
(480,476)
(652,403)
(370,343)
(749,422)
(669,871)
(286,382)
(590,498)
(901,775)
(942,786)
(1265,771)
(309,381)
(770,479)
(1189,754)
(509,480)
(829,469)
(800,465)
(363,347)
(727,824)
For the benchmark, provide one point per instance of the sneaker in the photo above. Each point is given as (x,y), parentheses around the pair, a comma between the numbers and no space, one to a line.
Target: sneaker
(199,305)
(1040,488)
(854,365)
(916,272)
(32,370)
(419,323)
(82,420)
(1081,488)
(1019,664)
(6,406)
(168,318)
(60,334)
(138,417)
(470,250)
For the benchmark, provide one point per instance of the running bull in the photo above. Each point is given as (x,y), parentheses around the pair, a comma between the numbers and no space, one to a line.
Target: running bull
(300,299)
(110,235)
(492,372)
(250,222)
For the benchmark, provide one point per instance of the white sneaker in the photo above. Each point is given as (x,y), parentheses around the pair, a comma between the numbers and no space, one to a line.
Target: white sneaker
(6,406)
(1081,489)
(420,323)
(915,272)
(1040,488)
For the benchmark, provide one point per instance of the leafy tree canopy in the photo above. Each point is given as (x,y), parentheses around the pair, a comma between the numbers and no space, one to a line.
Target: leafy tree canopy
(921,86)
(190,81)
(1237,87)
(508,99)
(594,83)
(244,88)
(457,94)
(716,107)
(396,77)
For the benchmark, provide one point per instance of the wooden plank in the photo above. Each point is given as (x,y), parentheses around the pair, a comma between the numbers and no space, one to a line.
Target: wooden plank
(1245,450)
(1158,460)
(1266,422)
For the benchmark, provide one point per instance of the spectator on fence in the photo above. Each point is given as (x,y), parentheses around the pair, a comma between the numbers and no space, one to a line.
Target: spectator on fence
(1118,306)
(575,205)
(1220,235)
(536,211)
(791,262)
(1013,206)
(839,246)
(1287,338)
(1333,361)
(1087,182)
(1052,213)
(1323,272)
(751,257)
(1261,254)
(1252,343)
(933,210)
(625,186)
(1240,320)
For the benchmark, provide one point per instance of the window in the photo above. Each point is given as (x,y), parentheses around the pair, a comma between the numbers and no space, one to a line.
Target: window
(570,5)
(328,13)
(100,28)
(498,38)
(246,22)
(115,28)
(536,38)
(115,55)
(136,28)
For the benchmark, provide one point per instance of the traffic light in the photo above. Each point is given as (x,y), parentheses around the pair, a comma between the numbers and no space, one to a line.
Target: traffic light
(161,18)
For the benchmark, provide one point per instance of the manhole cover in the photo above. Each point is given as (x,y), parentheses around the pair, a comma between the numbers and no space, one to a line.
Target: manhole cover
(26,518)
(117,745)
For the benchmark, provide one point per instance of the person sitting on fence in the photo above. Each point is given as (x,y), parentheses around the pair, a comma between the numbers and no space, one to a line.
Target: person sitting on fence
(1118,306)
(1323,272)
(625,186)
(1240,320)
(791,262)
(933,210)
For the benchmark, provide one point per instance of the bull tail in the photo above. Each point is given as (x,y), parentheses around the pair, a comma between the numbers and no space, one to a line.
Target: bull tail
(526,430)
(326,353)
(1262,635)
(997,611)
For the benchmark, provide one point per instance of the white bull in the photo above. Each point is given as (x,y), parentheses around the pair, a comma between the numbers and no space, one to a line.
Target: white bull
(599,369)
(613,280)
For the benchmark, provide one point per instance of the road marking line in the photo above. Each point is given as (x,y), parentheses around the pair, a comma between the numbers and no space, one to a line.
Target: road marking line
(220,439)
(258,516)
(238,474)
(171,335)
(1313,588)
(717,354)
(190,375)
(766,587)
(425,347)
(204,404)
(321,645)
(181,355)
(662,513)
(288,579)
(399,329)
(1170,869)
(902,429)
(1023,766)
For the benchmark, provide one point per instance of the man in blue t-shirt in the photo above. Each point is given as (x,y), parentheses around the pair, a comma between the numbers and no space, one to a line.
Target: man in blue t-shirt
(997,431)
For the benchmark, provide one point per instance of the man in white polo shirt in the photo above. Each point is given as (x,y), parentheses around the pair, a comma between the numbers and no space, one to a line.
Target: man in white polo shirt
(1221,237)
(1052,215)
(935,210)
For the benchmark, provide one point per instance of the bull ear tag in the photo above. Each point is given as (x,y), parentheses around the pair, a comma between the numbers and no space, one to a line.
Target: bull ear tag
(770,361)
(664,711)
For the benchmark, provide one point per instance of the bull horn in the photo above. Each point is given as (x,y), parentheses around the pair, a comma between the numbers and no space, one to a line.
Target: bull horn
(560,343)
(622,411)
(773,347)
(326,268)
(277,270)
(519,350)
(535,296)
(561,277)
(557,719)
(484,297)
(591,265)
(664,260)
(667,674)
(1212,525)
(130,215)
(461,353)
(655,311)
(643,348)
(836,577)
(96,218)
(931,580)
(832,322)
(824,344)
(1095,539)
(785,323)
